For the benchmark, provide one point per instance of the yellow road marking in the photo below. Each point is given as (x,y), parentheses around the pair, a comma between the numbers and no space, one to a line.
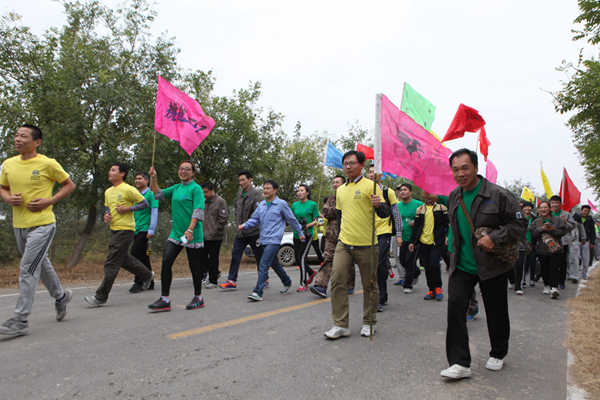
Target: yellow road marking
(237,321)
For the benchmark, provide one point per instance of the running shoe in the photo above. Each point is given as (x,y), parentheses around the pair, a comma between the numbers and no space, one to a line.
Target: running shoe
(471,317)
(494,364)
(254,297)
(546,290)
(229,285)
(379,307)
(266,285)
(136,288)
(408,290)
(430,295)
(391,273)
(14,327)
(302,289)
(286,290)
(438,294)
(456,372)
(532,283)
(554,293)
(350,292)
(160,305)
(519,292)
(196,302)
(399,282)
(337,332)
(366,330)
(146,284)
(211,285)
(311,277)
(319,291)
(95,302)
(62,306)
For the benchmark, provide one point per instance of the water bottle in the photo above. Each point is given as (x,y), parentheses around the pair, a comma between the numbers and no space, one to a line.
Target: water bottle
(149,248)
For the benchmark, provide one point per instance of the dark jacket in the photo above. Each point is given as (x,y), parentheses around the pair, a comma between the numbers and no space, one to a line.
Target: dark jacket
(244,208)
(588,225)
(216,214)
(493,207)
(330,213)
(560,230)
(440,223)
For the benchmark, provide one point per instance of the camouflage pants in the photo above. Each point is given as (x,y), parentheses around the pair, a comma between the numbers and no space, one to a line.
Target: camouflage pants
(322,278)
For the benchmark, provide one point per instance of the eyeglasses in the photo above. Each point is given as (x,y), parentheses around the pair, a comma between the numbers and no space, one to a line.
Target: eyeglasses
(184,169)
(350,163)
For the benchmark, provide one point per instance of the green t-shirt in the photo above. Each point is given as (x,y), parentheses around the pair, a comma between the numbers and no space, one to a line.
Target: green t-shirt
(307,210)
(528,234)
(557,214)
(583,220)
(466,258)
(184,200)
(142,217)
(408,211)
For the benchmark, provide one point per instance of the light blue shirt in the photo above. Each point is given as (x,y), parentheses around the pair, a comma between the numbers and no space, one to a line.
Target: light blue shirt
(272,221)
(153,216)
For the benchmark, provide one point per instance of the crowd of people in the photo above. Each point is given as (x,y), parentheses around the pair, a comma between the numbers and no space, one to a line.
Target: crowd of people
(485,236)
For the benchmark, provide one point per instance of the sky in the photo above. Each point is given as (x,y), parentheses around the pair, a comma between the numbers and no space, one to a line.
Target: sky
(323,62)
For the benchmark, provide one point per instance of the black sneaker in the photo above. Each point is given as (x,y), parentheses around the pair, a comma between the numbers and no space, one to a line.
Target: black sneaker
(136,288)
(379,307)
(197,302)
(160,305)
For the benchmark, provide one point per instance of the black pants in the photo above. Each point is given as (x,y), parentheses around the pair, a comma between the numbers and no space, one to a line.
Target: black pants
(495,300)
(166,275)
(530,265)
(383,265)
(429,256)
(551,268)
(138,250)
(519,269)
(315,245)
(563,266)
(209,259)
(301,253)
(408,259)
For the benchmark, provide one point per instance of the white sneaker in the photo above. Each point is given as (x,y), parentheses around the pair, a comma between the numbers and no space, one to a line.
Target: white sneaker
(511,286)
(554,293)
(494,364)
(519,292)
(546,290)
(366,330)
(408,290)
(336,332)
(456,372)
(210,285)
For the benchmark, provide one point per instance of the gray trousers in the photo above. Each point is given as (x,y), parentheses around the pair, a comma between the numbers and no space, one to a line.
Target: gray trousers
(396,251)
(119,257)
(33,244)
(585,258)
(575,251)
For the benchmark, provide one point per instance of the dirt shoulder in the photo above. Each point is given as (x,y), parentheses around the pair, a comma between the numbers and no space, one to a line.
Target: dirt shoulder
(584,338)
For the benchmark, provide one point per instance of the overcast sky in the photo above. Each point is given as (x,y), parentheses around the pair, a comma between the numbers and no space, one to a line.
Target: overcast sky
(322,62)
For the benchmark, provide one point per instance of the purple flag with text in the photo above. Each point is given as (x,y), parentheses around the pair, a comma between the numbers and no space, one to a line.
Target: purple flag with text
(180,117)
(410,151)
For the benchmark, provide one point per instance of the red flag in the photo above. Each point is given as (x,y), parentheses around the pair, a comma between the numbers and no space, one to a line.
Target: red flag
(369,152)
(467,119)
(484,143)
(537,202)
(568,192)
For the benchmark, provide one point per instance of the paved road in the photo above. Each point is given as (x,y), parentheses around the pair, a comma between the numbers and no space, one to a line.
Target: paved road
(236,349)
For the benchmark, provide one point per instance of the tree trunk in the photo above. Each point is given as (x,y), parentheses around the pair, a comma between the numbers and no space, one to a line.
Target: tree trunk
(87,231)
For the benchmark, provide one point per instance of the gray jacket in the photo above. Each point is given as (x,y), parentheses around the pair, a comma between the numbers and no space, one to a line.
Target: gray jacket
(244,208)
(571,224)
(493,207)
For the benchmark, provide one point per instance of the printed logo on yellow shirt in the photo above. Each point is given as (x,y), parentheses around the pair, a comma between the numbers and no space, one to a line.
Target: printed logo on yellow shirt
(357,195)
(35,175)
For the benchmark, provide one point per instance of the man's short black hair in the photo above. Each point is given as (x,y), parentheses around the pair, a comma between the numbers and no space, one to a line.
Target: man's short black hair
(407,185)
(343,178)
(122,168)
(144,175)
(586,206)
(460,152)
(207,185)
(527,203)
(556,198)
(36,133)
(272,183)
(360,156)
(371,166)
(245,172)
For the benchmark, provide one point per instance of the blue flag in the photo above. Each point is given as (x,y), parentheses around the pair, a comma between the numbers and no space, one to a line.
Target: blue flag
(333,157)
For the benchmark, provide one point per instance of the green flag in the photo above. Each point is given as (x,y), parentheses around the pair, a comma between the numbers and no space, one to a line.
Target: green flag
(417,107)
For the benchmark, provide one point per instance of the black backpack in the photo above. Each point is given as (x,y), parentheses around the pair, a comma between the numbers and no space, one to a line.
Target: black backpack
(391,217)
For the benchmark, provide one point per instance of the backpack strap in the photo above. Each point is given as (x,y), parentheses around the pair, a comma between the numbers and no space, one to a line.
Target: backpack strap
(467,215)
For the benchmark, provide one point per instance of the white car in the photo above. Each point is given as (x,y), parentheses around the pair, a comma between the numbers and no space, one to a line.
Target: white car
(286,250)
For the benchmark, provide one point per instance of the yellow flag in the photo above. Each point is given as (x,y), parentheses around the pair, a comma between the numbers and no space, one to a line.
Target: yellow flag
(547,187)
(527,194)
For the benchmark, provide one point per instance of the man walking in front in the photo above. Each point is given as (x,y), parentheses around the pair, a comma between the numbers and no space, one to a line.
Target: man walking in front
(271,215)
(476,203)
(145,226)
(354,202)
(246,202)
(121,201)
(567,240)
(26,183)
(587,248)
(408,259)
(216,214)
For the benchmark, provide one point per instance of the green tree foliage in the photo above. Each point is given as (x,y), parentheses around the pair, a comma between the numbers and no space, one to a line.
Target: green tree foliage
(580,94)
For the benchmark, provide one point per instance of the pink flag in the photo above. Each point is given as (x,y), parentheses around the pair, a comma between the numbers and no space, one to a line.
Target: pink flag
(410,151)
(180,117)
(491,173)
(594,209)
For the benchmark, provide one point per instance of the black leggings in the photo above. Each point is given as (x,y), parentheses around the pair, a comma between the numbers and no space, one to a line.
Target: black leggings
(301,252)
(166,275)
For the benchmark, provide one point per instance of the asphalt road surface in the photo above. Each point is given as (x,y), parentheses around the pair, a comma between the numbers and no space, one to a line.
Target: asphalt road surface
(237,349)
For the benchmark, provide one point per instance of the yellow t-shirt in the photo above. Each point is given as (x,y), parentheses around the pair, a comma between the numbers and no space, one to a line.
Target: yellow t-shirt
(125,195)
(383,225)
(354,200)
(33,178)
(427,233)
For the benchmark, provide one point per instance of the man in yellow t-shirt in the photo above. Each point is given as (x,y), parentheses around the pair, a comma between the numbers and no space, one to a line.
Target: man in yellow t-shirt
(354,202)
(385,229)
(120,201)
(26,183)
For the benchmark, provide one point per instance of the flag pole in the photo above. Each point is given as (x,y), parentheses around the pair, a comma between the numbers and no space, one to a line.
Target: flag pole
(153,148)
(376,170)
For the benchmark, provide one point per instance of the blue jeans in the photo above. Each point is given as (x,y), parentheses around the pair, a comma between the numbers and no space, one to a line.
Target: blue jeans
(239,245)
(269,259)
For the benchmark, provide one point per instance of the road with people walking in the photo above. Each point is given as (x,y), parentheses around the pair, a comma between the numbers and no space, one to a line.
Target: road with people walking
(237,349)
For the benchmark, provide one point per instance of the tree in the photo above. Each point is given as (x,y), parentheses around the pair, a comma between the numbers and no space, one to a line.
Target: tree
(580,95)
